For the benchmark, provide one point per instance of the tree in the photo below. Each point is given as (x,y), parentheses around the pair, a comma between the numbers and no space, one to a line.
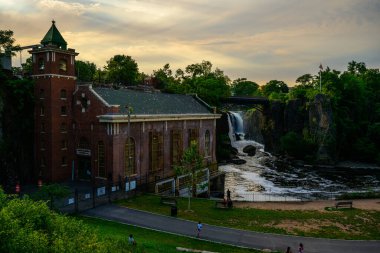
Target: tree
(274,86)
(243,87)
(191,164)
(165,79)
(122,70)
(6,43)
(85,71)
(207,84)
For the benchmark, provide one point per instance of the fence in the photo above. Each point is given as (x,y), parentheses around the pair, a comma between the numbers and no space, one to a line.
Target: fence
(83,196)
(284,197)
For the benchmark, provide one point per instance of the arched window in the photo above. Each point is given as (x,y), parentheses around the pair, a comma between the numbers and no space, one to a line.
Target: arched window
(101,160)
(41,64)
(63,161)
(156,154)
(130,154)
(42,127)
(207,143)
(63,127)
(176,146)
(63,110)
(63,144)
(63,65)
(63,93)
(42,93)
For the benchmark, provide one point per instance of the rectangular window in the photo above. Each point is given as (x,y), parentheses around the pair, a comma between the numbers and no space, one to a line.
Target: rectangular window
(192,136)
(101,160)
(176,146)
(156,151)
(130,168)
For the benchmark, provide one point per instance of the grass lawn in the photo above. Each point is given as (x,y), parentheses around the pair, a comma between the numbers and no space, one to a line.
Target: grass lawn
(152,241)
(352,223)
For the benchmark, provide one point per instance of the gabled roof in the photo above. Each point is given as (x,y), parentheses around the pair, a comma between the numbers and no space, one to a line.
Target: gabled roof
(54,37)
(150,103)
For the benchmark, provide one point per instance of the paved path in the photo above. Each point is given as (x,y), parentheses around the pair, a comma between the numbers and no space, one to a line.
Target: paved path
(228,235)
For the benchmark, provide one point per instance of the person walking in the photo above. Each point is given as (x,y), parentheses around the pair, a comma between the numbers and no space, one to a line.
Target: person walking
(199,229)
(300,248)
(288,250)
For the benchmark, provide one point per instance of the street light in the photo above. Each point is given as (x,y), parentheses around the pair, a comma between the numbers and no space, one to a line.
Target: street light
(129,136)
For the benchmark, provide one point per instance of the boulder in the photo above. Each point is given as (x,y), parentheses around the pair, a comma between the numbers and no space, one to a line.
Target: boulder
(249,150)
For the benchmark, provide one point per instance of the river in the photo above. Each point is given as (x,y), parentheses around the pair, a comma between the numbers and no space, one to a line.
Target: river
(259,179)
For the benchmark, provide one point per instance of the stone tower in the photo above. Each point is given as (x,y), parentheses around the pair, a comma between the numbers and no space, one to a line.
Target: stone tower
(54,75)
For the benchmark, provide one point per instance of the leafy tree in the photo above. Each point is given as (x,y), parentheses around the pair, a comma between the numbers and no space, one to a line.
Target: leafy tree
(243,87)
(122,70)
(85,71)
(191,163)
(165,79)
(7,43)
(200,79)
(274,86)
(29,226)
(51,192)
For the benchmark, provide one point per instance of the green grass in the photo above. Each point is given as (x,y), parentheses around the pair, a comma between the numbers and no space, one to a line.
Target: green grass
(352,223)
(151,241)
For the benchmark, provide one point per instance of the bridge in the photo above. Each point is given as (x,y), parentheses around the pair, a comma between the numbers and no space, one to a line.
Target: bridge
(260,103)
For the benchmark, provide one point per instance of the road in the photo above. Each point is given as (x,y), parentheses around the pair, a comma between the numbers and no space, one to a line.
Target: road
(230,236)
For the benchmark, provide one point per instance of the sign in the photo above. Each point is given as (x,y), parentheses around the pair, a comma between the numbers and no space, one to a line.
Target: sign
(129,186)
(87,196)
(101,191)
(71,201)
(83,152)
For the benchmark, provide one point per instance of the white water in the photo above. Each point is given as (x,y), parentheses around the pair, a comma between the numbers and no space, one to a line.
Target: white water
(256,181)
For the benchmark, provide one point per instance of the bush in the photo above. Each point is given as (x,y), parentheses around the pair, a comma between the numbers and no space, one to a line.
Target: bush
(30,226)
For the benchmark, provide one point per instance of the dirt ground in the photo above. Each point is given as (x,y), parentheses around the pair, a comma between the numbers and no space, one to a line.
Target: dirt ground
(366,204)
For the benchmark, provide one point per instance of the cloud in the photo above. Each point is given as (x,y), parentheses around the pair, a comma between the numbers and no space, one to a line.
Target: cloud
(260,40)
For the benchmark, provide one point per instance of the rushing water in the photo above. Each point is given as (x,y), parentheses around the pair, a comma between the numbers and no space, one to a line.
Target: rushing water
(260,175)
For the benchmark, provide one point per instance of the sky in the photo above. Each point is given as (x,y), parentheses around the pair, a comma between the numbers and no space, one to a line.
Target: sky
(260,40)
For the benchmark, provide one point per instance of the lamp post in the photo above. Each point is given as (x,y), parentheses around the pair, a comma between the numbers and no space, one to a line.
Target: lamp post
(129,136)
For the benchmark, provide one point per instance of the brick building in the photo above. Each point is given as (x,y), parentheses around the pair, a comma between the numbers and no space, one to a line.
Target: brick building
(86,133)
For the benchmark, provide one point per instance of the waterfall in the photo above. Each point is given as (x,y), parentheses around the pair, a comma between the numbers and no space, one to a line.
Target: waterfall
(236,126)
(237,134)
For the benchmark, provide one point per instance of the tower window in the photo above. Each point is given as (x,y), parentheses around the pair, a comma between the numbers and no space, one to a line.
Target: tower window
(41,64)
(42,93)
(63,65)
(63,94)
(63,144)
(64,161)
(43,162)
(42,127)
(42,110)
(63,110)
(63,127)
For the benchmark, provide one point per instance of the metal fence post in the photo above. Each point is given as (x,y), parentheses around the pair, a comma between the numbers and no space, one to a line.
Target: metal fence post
(76,200)
(93,196)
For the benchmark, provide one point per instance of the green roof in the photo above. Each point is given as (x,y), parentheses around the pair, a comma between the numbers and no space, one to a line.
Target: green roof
(145,103)
(54,37)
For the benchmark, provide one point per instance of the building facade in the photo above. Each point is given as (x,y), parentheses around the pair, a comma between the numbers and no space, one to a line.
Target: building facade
(98,134)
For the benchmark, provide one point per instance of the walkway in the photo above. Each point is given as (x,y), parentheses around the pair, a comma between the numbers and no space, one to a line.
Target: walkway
(230,236)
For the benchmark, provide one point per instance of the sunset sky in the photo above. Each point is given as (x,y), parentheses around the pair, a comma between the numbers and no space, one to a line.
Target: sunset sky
(260,40)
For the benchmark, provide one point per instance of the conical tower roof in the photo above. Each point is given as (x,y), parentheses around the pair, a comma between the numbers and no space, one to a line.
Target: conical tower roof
(54,37)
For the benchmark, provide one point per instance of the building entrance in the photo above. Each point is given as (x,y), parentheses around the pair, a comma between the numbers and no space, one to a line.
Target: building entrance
(84,168)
